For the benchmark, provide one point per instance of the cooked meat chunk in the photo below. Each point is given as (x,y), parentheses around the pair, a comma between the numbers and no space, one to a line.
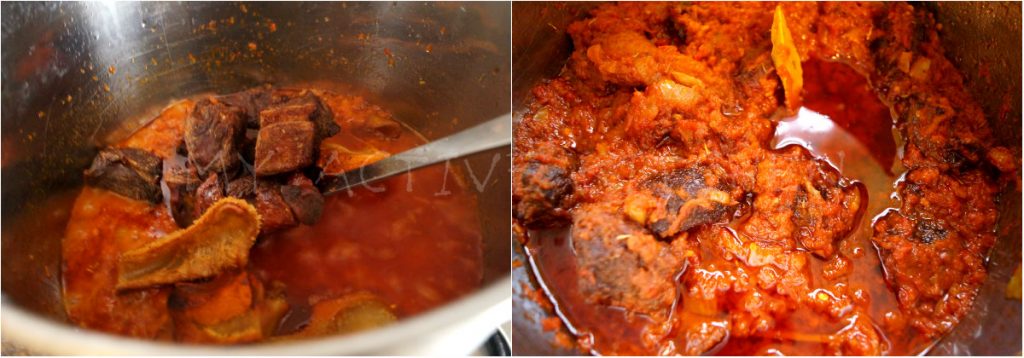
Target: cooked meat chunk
(814,209)
(541,196)
(243,187)
(350,313)
(304,107)
(621,265)
(934,247)
(679,200)
(292,111)
(299,179)
(212,133)
(247,147)
(250,102)
(231,308)
(208,193)
(254,100)
(180,182)
(263,106)
(278,96)
(303,198)
(274,211)
(219,240)
(945,143)
(650,124)
(284,147)
(134,173)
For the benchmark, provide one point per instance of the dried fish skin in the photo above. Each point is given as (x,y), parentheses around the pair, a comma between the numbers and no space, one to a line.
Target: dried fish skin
(219,240)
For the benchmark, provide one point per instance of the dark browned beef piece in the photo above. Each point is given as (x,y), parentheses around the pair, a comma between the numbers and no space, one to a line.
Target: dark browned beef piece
(131,172)
(208,193)
(243,187)
(212,133)
(293,111)
(543,188)
(250,102)
(180,181)
(284,102)
(540,199)
(303,198)
(269,97)
(277,130)
(274,211)
(304,107)
(934,247)
(284,147)
(679,200)
(621,265)
(247,147)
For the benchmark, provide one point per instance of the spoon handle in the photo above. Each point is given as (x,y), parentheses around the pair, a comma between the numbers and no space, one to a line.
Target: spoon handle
(491,134)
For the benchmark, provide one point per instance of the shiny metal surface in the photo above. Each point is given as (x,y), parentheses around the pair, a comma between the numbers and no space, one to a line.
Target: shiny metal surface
(79,75)
(497,345)
(982,39)
(494,133)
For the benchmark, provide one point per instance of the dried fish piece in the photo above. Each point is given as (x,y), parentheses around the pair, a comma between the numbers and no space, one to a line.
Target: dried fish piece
(347,314)
(219,240)
(337,158)
(233,307)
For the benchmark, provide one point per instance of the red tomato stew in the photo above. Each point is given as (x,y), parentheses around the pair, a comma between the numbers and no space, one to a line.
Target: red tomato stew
(721,178)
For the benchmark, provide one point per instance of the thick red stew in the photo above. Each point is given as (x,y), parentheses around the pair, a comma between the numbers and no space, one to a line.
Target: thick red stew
(757,178)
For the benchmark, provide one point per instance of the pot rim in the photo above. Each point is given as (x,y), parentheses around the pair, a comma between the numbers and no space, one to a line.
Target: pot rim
(37,334)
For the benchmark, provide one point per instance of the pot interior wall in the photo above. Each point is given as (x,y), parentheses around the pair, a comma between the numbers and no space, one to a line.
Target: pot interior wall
(982,39)
(77,76)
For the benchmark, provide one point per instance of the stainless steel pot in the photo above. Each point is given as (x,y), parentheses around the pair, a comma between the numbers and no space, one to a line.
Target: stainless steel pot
(978,37)
(77,76)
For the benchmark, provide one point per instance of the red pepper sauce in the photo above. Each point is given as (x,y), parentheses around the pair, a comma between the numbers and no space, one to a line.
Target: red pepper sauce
(838,123)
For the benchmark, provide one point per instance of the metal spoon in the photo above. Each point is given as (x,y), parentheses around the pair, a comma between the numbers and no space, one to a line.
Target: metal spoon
(491,134)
